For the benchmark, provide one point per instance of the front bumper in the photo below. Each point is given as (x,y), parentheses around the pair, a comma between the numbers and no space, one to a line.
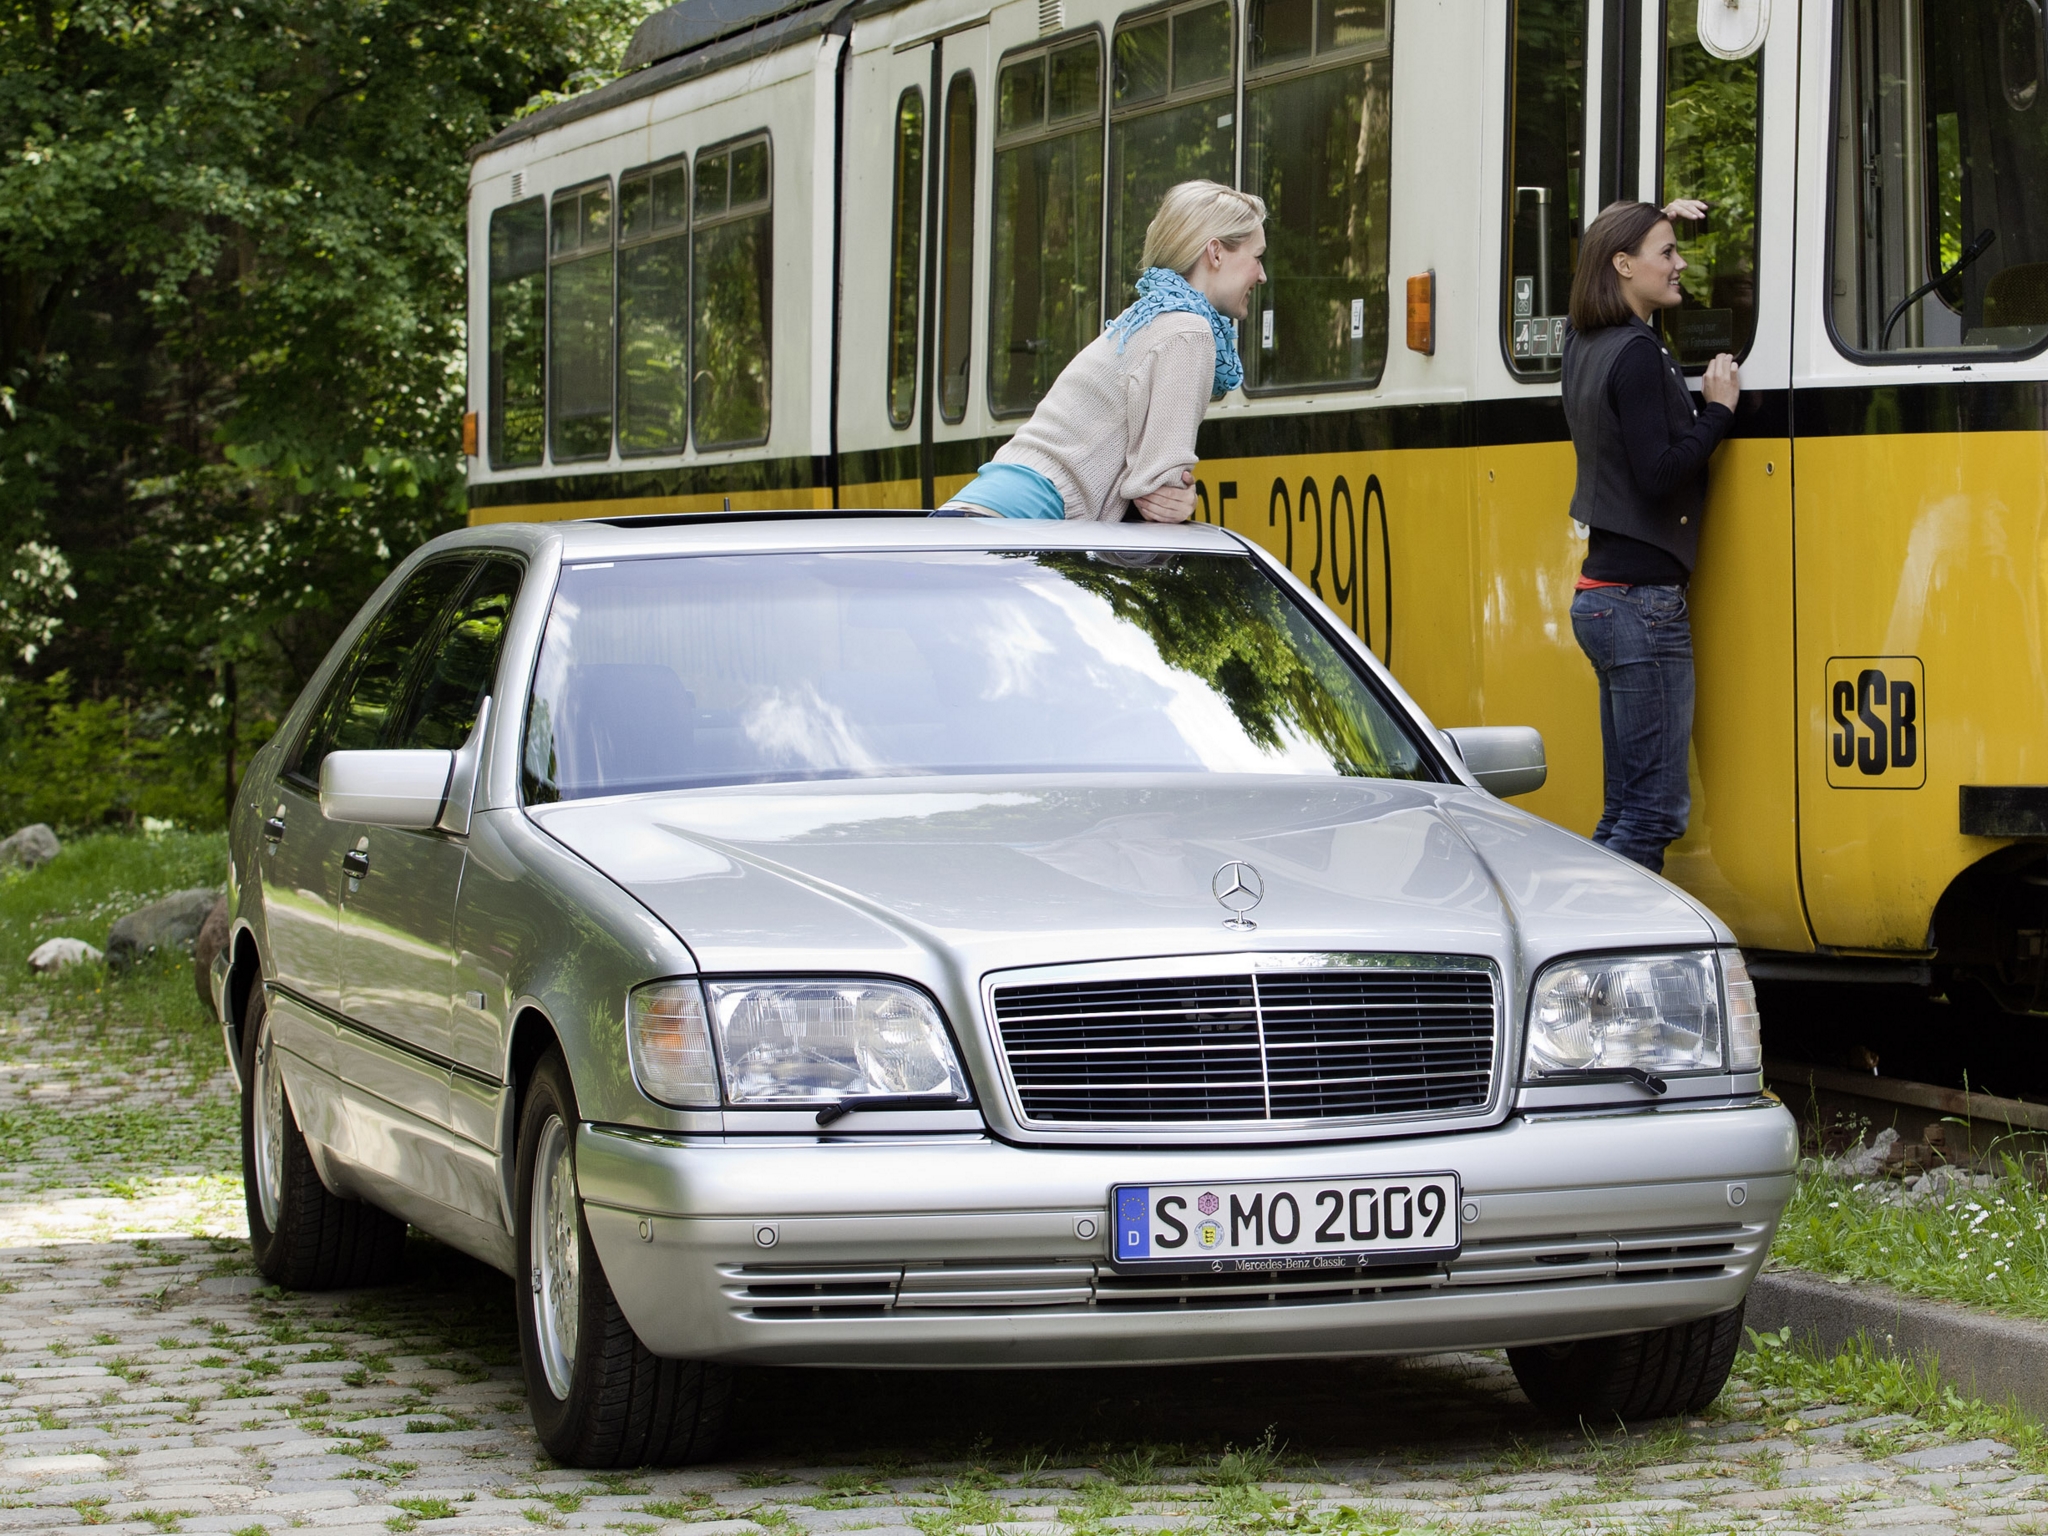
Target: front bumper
(967,1251)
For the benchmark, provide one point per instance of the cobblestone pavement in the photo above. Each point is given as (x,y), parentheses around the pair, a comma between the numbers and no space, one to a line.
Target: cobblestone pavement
(149,1382)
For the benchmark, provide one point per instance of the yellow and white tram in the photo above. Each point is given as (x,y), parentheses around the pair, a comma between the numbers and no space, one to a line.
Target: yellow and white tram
(831,253)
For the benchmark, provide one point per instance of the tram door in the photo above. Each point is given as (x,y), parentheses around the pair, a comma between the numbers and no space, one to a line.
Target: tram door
(1922,460)
(937,86)
(1700,101)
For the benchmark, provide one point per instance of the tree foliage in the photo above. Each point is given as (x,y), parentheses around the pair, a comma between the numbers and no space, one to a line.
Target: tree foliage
(231,323)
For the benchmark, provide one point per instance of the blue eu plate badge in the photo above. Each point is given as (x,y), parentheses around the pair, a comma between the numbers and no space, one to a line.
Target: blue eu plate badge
(1133,1223)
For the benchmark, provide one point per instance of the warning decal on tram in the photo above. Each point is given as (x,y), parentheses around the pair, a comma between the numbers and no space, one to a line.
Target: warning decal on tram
(1876,722)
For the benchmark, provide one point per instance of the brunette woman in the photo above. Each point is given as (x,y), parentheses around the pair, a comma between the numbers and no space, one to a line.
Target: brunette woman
(1643,447)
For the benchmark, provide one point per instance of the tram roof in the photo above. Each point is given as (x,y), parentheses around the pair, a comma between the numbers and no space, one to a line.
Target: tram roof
(684,41)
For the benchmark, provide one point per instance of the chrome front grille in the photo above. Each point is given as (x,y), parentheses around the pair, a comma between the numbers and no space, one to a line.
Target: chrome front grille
(1351,1041)
(770,1292)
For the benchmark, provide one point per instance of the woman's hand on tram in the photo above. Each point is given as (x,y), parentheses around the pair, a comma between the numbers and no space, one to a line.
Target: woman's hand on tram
(1686,208)
(1720,386)
(1170,503)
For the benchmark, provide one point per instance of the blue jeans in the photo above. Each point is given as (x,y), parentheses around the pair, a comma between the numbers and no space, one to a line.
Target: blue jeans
(1639,640)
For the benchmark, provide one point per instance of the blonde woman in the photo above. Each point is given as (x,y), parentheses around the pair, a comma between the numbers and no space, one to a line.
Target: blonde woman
(1117,428)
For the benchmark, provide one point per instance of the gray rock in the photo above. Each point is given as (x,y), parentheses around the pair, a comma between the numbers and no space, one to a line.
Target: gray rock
(172,923)
(213,934)
(1861,1162)
(1938,1184)
(57,954)
(31,847)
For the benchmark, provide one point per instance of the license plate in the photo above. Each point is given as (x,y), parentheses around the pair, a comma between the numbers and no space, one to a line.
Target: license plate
(1296,1224)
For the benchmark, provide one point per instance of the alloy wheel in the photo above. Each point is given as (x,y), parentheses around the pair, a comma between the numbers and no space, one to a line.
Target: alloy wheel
(557,1289)
(269,1125)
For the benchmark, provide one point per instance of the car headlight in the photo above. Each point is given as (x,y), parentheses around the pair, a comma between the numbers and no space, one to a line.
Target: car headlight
(1654,1013)
(789,1042)
(670,1044)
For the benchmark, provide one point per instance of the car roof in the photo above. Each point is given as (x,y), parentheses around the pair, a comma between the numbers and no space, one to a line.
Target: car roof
(758,533)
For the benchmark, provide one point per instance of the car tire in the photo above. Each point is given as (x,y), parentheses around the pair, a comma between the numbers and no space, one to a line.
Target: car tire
(303,1237)
(1631,1376)
(599,1397)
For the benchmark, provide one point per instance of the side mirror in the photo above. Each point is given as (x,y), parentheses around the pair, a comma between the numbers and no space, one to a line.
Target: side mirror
(385,789)
(1505,759)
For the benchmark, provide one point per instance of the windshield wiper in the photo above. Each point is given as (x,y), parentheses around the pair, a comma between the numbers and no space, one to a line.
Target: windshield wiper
(1986,238)
(845,1107)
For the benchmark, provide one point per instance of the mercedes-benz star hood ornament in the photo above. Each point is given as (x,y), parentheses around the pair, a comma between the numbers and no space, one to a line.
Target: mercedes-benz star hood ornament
(1238,887)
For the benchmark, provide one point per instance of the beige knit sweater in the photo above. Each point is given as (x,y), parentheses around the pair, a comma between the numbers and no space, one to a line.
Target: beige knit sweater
(1117,426)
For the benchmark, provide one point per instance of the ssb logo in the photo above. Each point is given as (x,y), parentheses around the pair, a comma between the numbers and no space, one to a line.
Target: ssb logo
(1876,722)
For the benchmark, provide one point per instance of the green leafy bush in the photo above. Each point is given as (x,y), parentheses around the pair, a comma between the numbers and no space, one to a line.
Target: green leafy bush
(91,763)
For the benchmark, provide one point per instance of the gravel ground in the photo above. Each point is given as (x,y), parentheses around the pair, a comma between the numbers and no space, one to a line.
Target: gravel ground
(150,1382)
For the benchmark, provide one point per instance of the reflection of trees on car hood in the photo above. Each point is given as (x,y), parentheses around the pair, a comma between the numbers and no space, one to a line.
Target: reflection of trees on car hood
(1223,621)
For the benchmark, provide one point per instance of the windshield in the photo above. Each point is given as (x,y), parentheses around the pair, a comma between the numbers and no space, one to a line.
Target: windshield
(700,670)
(1941,177)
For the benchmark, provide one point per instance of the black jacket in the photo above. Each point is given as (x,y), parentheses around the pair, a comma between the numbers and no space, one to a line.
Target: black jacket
(1642,447)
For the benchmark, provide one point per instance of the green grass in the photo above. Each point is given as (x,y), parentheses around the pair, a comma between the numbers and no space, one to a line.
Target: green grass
(1132,1468)
(682,1507)
(1242,1467)
(98,1146)
(1864,1376)
(99,878)
(101,1025)
(1982,1247)
(427,1509)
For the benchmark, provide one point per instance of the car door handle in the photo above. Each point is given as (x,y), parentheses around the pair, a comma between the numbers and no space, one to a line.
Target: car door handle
(356,863)
(273,829)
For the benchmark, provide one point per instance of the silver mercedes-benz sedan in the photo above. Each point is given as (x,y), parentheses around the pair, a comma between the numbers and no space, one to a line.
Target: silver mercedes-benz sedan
(897,942)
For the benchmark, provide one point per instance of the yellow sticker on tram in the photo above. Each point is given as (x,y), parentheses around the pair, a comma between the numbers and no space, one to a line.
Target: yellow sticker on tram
(1877,728)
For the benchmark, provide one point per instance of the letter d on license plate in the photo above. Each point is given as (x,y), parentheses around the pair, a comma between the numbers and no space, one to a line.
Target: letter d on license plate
(1294,1224)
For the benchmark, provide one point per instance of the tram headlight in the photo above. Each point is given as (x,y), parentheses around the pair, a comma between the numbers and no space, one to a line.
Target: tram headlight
(1692,1011)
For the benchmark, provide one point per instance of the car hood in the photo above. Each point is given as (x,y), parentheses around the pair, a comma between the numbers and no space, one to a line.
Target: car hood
(966,876)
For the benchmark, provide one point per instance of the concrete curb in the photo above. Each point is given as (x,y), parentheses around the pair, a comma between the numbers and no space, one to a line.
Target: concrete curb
(1980,1354)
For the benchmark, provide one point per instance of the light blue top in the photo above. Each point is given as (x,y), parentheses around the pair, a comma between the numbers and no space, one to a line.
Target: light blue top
(1012,490)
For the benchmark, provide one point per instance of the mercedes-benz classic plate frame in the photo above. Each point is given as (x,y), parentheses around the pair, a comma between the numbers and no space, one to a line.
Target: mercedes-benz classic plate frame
(1333,1224)
(1244,1132)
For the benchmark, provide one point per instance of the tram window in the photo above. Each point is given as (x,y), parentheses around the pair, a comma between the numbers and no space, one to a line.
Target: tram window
(1020,96)
(1172,119)
(905,245)
(1546,161)
(731,288)
(956,249)
(1045,289)
(1941,178)
(1076,82)
(654,308)
(1318,124)
(1713,111)
(580,323)
(517,402)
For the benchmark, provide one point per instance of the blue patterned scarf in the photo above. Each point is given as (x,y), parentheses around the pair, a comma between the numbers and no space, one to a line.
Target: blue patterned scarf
(1161,292)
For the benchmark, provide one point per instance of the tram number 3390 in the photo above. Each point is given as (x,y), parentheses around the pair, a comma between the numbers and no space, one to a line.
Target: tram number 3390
(1877,707)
